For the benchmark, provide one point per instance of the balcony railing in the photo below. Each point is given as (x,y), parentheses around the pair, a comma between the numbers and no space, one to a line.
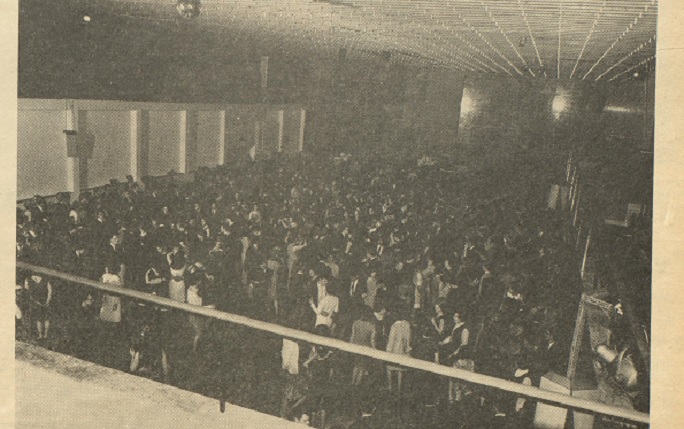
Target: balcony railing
(529,392)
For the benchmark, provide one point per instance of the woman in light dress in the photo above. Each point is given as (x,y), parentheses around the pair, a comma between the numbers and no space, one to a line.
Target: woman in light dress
(399,342)
(176,260)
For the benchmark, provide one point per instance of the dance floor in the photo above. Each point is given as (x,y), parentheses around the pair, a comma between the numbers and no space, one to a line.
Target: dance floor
(59,391)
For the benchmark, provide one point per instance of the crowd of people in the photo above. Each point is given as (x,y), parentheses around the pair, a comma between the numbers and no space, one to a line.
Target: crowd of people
(463,268)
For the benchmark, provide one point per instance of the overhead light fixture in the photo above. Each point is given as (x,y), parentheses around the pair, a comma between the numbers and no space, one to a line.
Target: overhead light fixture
(189,9)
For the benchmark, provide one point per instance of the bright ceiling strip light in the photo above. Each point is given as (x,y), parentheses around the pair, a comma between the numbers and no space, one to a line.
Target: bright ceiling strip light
(620,37)
(437,50)
(503,33)
(638,49)
(446,26)
(470,45)
(651,58)
(586,41)
(486,42)
(529,30)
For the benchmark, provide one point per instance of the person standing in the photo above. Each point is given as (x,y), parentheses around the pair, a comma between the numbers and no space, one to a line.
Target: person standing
(176,260)
(458,353)
(292,260)
(399,342)
(40,296)
(364,333)
(110,310)
(328,304)
(147,343)
(111,315)
(274,265)
(194,297)
(319,369)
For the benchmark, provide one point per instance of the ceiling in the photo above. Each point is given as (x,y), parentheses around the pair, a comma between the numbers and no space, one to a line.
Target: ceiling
(553,39)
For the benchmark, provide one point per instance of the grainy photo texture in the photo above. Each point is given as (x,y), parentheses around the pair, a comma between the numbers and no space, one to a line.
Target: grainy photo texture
(334,213)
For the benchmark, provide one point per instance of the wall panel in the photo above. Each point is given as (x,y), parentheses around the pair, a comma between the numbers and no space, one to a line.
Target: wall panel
(111,154)
(164,137)
(240,126)
(208,139)
(291,126)
(41,153)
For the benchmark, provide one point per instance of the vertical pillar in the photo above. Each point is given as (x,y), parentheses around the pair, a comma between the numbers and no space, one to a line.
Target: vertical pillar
(143,155)
(182,141)
(263,68)
(191,143)
(281,124)
(302,124)
(222,138)
(82,127)
(134,145)
(72,163)
(139,143)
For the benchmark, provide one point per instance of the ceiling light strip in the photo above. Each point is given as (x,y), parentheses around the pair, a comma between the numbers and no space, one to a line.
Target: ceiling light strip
(380,32)
(503,33)
(586,41)
(529,31)
(433,20)
(486,42)
(445,57)
(427,43)
(651,58)
(294,37)
(620,37)
(320,14)
(481,53)
(635,51)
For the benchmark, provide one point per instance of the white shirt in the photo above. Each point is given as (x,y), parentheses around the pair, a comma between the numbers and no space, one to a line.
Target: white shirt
(327,307)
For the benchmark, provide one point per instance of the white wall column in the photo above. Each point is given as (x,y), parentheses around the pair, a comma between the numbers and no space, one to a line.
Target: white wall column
(302,124)
(222,138)
(281,124)
(83,151)
(182,141)
(72,163)
(134,169)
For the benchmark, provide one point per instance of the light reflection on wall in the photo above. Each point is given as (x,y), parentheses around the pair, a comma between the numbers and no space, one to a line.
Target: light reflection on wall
(560,104)
(468,104)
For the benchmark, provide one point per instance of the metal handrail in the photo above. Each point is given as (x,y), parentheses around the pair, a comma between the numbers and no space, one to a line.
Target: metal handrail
(405,361)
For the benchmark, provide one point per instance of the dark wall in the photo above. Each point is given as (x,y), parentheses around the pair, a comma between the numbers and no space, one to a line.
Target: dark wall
(507,115)
(501,116)
(120,58)
(608,127)
(366,106)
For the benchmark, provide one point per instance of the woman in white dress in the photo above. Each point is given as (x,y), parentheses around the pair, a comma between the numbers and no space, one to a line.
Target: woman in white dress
(176,260)
(399,342)
(194,297)
(328,305)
